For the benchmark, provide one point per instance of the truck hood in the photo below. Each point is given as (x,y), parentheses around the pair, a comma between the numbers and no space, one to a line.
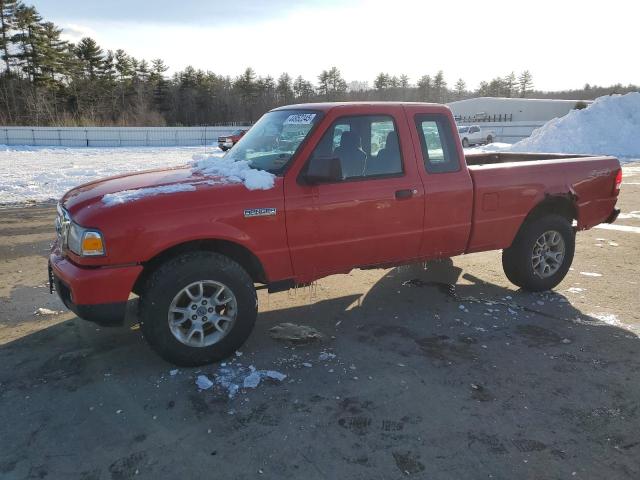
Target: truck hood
(162,188)
(88,193)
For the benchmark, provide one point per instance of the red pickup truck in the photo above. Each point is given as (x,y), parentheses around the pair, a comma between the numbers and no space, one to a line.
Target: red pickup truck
(228,141)
(353,185)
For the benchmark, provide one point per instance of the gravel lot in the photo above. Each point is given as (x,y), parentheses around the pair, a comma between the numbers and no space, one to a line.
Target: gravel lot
(486,382)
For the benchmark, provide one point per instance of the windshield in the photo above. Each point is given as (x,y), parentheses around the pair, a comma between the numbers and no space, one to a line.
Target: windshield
(237,132)
(272,141)
(463,129)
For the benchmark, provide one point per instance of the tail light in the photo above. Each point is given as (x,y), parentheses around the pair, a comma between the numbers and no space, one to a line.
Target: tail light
(616,188)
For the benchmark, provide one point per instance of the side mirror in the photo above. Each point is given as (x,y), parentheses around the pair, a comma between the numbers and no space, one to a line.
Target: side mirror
(323,170)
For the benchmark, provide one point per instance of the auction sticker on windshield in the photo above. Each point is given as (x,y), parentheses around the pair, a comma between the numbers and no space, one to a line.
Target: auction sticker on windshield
(300,119)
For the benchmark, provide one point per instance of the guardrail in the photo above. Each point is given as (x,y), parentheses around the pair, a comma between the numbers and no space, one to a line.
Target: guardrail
(113,136)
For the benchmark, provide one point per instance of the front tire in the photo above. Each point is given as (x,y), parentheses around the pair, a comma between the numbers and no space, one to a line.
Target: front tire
(198,308)
(489,139)
(541,254)
(465,143)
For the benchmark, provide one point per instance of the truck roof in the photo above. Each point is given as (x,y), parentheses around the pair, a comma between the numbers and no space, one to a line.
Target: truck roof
(326,106)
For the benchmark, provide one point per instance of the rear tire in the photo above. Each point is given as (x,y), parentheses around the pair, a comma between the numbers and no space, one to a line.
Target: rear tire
(465,143)
(210,277)
(541,253)
(489,139)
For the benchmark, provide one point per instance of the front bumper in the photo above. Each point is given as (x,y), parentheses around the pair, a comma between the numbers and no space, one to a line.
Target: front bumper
(97,294)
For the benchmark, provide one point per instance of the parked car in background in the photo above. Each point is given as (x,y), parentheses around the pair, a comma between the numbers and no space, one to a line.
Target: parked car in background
(228,141)
(475,135)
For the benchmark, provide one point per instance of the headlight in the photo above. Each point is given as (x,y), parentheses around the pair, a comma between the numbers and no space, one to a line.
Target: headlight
(85,242)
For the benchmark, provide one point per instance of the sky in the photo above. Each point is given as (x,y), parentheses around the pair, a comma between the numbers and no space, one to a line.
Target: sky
(563,43)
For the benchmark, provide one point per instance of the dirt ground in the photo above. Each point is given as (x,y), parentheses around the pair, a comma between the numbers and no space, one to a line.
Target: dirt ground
(488,382)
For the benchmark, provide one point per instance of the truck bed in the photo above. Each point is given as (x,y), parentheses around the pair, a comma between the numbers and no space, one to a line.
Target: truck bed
(507,186)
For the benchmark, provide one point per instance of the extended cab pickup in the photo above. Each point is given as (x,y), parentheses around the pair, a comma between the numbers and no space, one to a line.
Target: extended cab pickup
(350,185)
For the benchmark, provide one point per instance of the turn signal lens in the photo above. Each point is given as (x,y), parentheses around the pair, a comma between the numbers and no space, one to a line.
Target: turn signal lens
(92,244)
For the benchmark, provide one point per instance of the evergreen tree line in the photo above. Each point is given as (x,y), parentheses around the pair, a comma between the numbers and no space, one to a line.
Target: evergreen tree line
(45,80)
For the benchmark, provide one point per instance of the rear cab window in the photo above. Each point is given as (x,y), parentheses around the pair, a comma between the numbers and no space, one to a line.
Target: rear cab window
(439,152)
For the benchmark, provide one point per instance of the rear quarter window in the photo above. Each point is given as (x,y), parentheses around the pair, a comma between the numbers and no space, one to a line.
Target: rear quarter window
(439,152)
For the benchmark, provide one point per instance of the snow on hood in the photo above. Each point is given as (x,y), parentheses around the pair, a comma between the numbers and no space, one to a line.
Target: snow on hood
(204,166)
(129,195)
(235,172)
(609,126)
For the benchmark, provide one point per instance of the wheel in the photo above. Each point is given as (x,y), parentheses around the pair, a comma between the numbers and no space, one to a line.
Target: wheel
(198,308)
(465,142)
(224,149)
(541,254)
(489,139)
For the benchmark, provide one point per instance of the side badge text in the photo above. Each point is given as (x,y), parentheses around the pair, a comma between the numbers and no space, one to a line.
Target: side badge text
(259,212)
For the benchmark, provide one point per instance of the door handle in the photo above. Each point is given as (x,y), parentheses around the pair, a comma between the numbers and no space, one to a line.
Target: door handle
(406,193)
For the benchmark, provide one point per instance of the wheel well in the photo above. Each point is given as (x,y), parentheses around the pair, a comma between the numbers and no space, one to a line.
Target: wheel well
(243,256)
(563,205)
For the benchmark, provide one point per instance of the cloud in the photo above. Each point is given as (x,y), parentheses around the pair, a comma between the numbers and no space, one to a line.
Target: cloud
(72,32)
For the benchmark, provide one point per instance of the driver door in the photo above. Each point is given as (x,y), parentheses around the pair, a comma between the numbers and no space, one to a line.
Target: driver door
(371,218)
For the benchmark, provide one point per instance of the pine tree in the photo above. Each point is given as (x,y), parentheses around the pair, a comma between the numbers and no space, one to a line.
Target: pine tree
(337,85)
(525,82)
(28,40)
(510,85)
(483,89)
(123,65)
(7,22)
(53,53)
(381,82)
(107,69)
(460,87)
(142,70)
(424,88)
(302,89)
(323,85)
(404,81)
(284,89)
(158,69)
(496,87)
(440,87)
(90,55)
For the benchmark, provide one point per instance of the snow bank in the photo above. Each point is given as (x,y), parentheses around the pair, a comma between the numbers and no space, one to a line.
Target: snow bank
(609,126)
(237,172)
(117,198)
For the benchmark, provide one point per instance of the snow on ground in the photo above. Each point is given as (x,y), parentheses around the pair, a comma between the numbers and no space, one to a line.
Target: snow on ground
(46,173)
(609,126)
(231,378)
